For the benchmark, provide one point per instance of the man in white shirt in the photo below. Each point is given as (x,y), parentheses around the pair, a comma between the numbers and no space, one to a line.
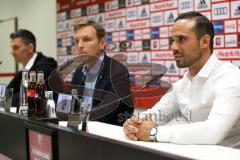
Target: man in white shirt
(204,106)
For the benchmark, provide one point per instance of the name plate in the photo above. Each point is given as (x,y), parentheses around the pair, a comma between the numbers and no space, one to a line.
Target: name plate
(3,89)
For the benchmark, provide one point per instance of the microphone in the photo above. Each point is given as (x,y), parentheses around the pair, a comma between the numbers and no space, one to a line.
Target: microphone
(153,80)
(147,84)
(64,65)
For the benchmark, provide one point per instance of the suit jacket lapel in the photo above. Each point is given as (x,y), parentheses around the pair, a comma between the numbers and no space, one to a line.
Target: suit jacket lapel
(39,56)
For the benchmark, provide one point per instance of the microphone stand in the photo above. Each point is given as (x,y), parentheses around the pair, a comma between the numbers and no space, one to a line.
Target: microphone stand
(84,122)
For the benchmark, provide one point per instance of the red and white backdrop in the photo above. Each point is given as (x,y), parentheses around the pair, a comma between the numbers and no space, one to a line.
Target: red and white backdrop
(145,26)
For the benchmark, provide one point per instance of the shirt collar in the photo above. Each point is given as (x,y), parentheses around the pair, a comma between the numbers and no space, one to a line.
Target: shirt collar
(207,68)
(96,67)
(30,62)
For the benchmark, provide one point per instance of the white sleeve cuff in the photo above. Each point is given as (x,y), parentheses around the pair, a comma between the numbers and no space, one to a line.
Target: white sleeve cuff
(165,133)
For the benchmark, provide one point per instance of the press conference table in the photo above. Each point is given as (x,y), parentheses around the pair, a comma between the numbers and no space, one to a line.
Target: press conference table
(204,152)
(103,141)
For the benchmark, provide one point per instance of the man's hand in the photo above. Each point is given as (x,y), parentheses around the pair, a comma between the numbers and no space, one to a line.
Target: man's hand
(138,129)
(144,129)
(130,127)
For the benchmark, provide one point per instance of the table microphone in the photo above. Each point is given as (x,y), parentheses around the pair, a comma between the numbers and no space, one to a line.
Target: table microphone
(147,84)
(64,65)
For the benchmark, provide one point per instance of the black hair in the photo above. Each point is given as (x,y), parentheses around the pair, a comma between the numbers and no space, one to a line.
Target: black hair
(203,25)
(27,37)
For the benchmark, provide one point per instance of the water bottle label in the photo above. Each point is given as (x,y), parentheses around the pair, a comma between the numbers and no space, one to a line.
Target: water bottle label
(23,110)
(31,93)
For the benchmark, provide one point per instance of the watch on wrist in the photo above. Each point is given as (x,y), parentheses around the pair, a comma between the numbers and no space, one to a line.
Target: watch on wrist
(153,133)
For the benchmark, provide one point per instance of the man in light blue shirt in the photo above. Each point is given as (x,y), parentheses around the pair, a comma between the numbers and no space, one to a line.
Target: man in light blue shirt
(104,79)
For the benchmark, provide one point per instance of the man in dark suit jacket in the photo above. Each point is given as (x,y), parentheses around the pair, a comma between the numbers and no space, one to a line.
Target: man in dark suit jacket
(112,78)
(112,83)
(23,49)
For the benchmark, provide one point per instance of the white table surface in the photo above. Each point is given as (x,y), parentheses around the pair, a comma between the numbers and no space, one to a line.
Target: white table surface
(201,152)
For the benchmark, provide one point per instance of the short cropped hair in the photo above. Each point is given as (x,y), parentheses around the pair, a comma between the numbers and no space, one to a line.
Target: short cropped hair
(203,25)
(27,37)
(99,29)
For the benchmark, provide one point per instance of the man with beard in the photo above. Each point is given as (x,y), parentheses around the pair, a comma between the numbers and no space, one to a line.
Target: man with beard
(204,106)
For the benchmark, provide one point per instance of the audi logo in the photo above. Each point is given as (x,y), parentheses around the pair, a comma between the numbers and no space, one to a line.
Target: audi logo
(186,5)
(220,11)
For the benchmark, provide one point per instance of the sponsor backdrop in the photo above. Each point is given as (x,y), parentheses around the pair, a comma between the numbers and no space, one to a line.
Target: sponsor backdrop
(139,29)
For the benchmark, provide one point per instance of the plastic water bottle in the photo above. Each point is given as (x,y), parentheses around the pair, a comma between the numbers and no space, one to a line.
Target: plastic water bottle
(50,104)
(23,102)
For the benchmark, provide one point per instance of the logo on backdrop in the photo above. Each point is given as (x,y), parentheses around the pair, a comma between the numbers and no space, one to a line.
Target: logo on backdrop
(186,5)
(202,5)
(218,27)
(237,11)
(220,11)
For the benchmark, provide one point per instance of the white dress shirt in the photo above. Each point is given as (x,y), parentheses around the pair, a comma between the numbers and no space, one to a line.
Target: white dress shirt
(30,62)
(204,109)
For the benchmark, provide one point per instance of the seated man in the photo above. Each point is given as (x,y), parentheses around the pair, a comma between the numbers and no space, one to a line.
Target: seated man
(23,48)
(204,106)
(99,79)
